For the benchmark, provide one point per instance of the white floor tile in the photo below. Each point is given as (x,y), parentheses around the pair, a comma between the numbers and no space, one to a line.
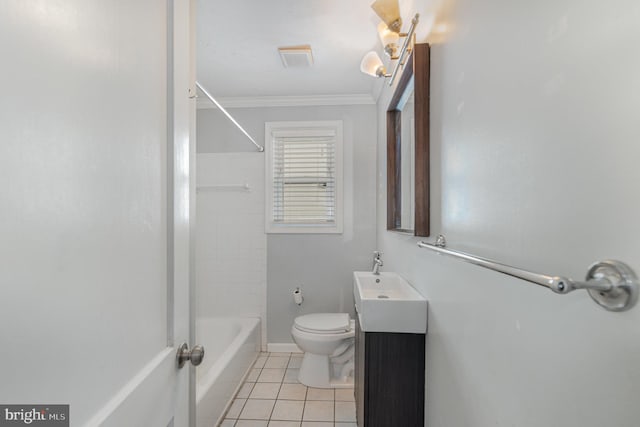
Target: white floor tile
(271,376)
(318,411)
(245,390)
(320,394)
(235,408)
(253,375)
(289,410)
(292,376)
(345,395)
(257,409)
(296,406)
(265,391)
(260,361)
(346,411)
(252,423)
(284,423)
(277,362)
(293,392)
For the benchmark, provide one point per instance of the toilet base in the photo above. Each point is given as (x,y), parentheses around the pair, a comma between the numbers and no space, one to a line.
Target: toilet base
(315,372)
(348,383)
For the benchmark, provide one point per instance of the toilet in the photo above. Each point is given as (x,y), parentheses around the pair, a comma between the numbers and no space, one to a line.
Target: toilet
(327,340)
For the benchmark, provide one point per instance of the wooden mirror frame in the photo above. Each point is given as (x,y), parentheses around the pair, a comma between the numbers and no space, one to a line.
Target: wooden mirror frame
(417,66)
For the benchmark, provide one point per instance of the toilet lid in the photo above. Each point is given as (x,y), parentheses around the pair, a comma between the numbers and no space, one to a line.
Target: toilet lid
(324,322)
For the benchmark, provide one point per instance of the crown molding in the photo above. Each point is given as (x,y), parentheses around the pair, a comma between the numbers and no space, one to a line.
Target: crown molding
(288,101)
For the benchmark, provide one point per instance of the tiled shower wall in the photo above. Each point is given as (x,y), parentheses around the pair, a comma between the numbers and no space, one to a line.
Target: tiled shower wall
(231,266)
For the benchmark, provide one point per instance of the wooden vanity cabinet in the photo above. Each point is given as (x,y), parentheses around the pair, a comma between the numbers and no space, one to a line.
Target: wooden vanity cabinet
(389,379)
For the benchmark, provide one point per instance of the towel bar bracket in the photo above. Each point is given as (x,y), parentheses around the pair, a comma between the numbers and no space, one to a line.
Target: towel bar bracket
(623,291)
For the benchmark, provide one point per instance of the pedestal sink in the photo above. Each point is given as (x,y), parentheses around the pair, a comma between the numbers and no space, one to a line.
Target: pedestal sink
(386,302)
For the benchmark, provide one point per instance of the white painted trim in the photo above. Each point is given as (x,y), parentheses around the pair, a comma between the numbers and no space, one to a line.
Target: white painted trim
(289,101)
(283,347)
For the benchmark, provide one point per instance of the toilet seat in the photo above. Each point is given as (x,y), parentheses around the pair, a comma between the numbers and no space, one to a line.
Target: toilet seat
(323,323)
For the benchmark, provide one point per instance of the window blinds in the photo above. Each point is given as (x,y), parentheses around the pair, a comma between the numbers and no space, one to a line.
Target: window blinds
(304,178)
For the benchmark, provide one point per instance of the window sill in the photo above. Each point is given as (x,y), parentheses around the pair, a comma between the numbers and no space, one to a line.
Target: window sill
(298,229)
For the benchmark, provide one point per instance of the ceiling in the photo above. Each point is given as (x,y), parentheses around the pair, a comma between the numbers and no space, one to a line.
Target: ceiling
(237,44)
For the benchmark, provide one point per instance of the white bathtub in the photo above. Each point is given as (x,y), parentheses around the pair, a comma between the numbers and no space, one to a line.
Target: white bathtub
(231,346)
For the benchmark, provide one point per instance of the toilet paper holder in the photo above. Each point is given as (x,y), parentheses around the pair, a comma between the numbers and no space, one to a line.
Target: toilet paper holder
(297,296)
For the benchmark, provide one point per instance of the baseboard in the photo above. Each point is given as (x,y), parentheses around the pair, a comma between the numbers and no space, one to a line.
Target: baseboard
(283,347)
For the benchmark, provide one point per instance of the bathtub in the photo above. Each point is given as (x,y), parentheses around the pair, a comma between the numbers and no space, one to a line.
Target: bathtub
(231,346)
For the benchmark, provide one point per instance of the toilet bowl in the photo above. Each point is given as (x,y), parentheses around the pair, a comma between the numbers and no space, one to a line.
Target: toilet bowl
(327,340)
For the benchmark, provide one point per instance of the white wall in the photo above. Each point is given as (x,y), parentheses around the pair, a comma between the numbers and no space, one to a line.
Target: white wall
(534,137)
(231,259)
(321,264)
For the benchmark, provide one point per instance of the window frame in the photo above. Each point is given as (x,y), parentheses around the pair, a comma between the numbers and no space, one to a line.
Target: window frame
(298,129)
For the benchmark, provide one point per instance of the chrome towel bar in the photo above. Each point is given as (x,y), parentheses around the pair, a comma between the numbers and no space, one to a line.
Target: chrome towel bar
(612,284)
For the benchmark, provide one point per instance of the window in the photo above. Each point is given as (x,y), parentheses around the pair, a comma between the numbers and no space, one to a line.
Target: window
(303,177)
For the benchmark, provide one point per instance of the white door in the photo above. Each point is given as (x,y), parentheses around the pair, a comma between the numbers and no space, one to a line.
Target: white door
(95,211)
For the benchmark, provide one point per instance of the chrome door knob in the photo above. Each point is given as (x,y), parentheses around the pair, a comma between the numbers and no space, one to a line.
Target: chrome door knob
(195,355)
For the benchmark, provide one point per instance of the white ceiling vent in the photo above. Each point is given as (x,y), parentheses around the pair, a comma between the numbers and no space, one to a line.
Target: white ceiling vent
(296,56)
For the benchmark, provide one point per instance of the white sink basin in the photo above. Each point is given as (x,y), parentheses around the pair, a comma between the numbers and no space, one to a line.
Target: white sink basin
(388,303)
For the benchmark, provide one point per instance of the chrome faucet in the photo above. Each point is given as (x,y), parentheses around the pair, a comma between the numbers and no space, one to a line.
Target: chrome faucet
(377,262)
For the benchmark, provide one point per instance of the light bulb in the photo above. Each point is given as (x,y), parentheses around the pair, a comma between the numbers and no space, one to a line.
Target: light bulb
(386,35)
(372,65)
(389,40)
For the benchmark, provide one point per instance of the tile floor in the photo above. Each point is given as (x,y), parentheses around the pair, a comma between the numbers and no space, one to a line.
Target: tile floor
(271,396)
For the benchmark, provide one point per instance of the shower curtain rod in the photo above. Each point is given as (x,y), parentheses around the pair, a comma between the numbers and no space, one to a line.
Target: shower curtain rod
(226,113)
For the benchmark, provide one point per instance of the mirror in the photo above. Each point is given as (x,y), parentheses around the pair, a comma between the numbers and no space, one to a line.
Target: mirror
(408,148)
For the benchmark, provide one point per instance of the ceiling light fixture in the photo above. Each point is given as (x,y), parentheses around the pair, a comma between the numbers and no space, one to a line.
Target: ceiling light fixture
(389,40)
(389,33)
(372,65)
(389,12)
